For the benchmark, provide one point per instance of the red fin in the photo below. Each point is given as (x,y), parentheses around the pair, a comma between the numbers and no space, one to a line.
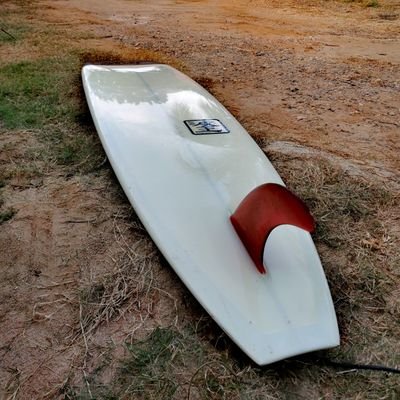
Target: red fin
(262,210)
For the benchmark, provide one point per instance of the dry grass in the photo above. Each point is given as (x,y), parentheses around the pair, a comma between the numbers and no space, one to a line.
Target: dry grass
(360,253)
(193,358)
(130,281)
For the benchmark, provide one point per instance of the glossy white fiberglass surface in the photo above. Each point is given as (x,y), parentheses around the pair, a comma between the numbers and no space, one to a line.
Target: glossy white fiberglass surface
(184,187)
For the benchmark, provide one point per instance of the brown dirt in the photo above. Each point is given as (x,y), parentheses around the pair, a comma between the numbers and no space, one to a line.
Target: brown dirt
(319,77)
(302,77)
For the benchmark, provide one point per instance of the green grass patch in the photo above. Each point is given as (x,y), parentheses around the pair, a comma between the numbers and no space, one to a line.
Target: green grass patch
(71,146)
(168,364)
(45,96)
(372,3)
(365,3)
(36,93)
(76,151)
(7,215)
(12,33)
(147,371)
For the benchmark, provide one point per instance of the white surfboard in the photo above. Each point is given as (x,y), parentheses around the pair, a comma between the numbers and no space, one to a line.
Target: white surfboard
(185,164)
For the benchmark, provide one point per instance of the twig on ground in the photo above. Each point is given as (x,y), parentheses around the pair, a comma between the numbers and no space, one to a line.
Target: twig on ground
(8,33)
(86,351)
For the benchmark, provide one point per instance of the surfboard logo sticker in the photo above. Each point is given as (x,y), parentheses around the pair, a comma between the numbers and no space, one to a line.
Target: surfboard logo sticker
(206,126)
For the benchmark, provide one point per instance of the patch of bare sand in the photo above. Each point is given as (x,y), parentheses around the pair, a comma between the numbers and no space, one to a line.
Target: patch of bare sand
(43,256)
(65,239)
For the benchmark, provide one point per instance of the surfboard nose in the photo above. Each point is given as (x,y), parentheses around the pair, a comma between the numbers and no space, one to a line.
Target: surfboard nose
(262,210)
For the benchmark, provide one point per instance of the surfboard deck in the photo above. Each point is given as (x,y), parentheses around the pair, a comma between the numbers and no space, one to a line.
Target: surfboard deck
(185,164)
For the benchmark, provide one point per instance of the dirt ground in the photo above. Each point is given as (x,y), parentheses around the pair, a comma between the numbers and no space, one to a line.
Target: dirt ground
(308,80)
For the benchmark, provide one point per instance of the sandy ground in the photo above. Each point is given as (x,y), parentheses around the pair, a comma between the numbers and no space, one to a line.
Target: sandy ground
(323,78)
(319,80)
